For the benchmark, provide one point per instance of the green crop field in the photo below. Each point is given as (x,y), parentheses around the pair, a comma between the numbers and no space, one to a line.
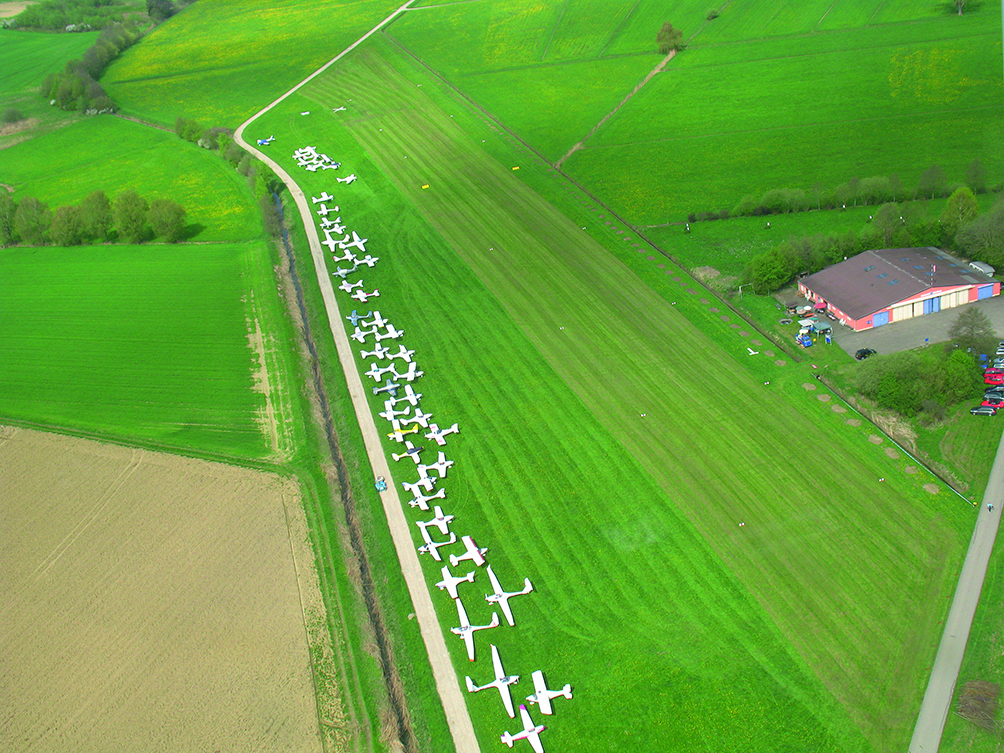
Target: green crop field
(220,62)
(611,443)
(116,155)
(142,342)
(27,57)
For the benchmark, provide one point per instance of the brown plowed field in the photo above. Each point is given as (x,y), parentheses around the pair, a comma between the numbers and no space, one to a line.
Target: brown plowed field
(151,602)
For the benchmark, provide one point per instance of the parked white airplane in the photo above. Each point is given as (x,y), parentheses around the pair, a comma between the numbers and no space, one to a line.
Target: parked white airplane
(389,387)
(330,243)
(326,224)
(440,466)
(422,419)
(411,451)
(369,261)
(543,696)
(348,257)
(411,374)
(338,109)
(313,166)
(403,353)
(422,502)
(356,241)
(753,352)
(501,597)
(473,553)
(322,198)
(409,396)
(380,352)
(344,272)
(530,732)
(360,334)
(376,372)
(336,226)
(440,521)
(348,287)
(425,483)
(332,166)
(347,179)
(437,434)
(502,680)
(398,434)
(377,321)
(432,547)
(467,630)
(325,209)
(391,333)
(355,316)
(362,296)
(449,583)
(390,414)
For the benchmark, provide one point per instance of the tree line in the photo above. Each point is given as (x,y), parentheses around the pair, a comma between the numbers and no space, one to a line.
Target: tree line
(76,87)
(87,15)
(960,227)
(128,219)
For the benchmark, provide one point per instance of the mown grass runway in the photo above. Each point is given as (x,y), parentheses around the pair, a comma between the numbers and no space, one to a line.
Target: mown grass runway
(630,522)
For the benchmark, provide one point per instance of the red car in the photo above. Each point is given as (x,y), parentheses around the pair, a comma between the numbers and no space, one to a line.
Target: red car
(993,376)
(993,402)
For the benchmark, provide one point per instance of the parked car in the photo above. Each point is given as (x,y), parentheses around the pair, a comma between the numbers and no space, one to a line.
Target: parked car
(863,353)
(997,389)
(993,379)
(983,410)
(990,394)
(995,402)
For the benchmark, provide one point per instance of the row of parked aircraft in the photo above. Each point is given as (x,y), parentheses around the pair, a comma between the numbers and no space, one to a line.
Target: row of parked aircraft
(408,421)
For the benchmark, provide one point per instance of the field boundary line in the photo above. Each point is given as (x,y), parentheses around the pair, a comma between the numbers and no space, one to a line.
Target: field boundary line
(454,704)
(948,661)
(561,15)
(618,29)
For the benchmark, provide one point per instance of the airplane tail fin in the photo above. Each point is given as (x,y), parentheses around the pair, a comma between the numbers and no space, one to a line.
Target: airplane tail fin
(453,560)
(527,585)
(567,691)
(507,739)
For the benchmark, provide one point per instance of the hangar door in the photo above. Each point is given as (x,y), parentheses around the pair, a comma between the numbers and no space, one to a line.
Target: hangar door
(932,305)
(882,317)
(986,291)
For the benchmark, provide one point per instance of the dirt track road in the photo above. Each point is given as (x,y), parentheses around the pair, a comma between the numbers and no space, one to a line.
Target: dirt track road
(941,687)
(450,693)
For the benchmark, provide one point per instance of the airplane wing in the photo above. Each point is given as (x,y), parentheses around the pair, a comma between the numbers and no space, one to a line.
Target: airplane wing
(541,696)
(497,663)
(469,640)
(451,587)
(495,581)
(530,730)
(462,614)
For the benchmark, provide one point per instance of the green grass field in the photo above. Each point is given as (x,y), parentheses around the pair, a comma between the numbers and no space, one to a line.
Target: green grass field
(140,342)
(27,57)
(115,156)
(630,526)
(219,62)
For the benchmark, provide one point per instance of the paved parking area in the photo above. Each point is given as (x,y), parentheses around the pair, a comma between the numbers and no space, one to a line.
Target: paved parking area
(897,336)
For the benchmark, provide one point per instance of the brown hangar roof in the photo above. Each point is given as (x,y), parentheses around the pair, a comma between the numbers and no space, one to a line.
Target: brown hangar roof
(874,280)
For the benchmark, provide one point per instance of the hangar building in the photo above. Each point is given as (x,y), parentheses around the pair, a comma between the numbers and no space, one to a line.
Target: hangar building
(894,284)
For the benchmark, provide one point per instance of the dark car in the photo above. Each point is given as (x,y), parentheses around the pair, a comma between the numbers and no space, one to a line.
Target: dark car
(997,389)
(983,410)
(864,353)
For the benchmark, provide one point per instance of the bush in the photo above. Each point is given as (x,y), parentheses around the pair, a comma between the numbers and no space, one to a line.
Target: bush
(12,115)
(712,14)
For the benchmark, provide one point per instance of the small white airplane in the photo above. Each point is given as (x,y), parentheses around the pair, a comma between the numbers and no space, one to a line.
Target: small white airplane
(410,451)
(473,553)
(399,434)
(543,696)
(362,296)
(425,483)
(336,227)
(432,547)
(437,434)
(332,166)
(422,419)
(347,179)
(338,109)
(403,353)
(391,333)
(410,375)
(421,501)
(355,316)
(369,261)
(356,241)
(348,257)
(266,142)
(389,387)
(391,415)
(323,211)
(376,372)
(324,197)
(344,272)
(449,583)
(502,680)
(440,521)
(330,244)
(360,334)
(326,223)
(440,466)
(313,166)
(380,352)
(348,287)
(306,151)
(753,352)
(530,732)
(501,597)
(409,396)
(467,630)
(377,321)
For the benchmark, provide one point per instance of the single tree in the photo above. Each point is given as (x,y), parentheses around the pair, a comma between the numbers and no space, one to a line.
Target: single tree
(669,39)
(32,220)
(7,211)
(960,4)
(130,217)
(160,10)
(931,182)
(167,219)
(960,209)
(67,227)
(970,327)
(976,177)
(96,213)
(887,220)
